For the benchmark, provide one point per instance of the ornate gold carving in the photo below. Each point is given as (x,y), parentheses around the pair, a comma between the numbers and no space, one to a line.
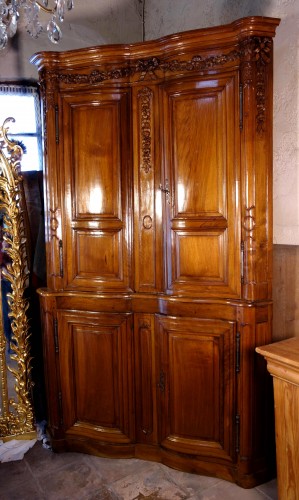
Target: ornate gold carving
(145,100)
(16,417)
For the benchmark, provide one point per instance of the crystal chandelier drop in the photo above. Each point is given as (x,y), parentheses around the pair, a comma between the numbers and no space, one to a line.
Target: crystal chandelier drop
(10,11)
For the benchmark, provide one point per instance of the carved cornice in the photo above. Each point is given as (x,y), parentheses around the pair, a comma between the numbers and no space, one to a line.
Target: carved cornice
(253,55)
(148,68)
(145,100)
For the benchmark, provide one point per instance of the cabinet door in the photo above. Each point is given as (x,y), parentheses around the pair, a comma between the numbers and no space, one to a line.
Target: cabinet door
(197,386)
(96,375)
(201,186)
(96,180)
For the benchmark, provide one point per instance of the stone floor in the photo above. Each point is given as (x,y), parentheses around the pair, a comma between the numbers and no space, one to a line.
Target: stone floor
(45,475)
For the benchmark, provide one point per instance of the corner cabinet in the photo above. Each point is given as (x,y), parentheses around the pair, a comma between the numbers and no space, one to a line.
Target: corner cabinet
(158,203)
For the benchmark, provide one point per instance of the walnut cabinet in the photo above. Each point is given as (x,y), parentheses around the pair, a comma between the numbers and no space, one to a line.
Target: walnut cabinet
(158,203)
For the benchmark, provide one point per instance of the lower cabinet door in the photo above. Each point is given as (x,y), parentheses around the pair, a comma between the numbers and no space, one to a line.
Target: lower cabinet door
(197,386)
(95,360)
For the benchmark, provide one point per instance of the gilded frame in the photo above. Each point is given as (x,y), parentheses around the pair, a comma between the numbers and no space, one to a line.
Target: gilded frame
(16,413)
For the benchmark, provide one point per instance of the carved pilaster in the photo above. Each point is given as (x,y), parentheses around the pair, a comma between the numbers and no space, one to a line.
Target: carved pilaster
(48,87)
(145,110)
(256,53)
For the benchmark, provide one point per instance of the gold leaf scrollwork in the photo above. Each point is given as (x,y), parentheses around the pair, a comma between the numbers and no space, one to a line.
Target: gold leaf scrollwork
(16,414)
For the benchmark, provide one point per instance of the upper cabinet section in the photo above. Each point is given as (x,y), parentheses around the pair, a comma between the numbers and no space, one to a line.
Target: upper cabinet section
(158,160)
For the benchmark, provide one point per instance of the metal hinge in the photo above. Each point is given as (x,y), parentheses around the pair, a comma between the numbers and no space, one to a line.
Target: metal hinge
(238,337)
(56,336)
(242,262)
(237,433)
(166,191)
(161,383)
(241,105)
(60,407)
(60,258)
(56,124)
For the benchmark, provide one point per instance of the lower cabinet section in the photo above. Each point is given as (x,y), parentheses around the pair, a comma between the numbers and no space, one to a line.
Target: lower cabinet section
(162,387)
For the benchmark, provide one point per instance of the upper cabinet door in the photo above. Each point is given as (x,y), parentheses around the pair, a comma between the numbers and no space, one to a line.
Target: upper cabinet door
(201,186)
(96,164)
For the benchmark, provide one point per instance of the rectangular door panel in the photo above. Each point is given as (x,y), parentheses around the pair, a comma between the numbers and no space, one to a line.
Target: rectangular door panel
(98,255)
(98,168)
(201,175)
(95,368)
(97,159)
(207,263)
(197,393)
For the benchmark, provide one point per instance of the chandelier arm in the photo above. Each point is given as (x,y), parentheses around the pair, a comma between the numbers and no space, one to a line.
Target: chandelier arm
(45,9)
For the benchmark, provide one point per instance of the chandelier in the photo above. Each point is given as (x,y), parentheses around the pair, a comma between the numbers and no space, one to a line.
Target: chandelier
(10,11)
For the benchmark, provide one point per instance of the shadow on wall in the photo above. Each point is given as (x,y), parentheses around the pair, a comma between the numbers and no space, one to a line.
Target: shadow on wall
(285,292)
(231,9)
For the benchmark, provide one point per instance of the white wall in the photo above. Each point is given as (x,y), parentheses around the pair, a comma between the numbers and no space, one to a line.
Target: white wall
(163,17)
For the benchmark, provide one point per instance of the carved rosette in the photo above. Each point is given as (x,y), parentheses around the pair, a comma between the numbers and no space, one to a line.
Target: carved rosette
(145,96)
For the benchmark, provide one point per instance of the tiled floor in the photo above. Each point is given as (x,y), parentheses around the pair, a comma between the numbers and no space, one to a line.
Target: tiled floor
(45,475)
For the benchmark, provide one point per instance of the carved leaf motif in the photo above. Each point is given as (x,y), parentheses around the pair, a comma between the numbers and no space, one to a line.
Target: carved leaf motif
(145,99)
